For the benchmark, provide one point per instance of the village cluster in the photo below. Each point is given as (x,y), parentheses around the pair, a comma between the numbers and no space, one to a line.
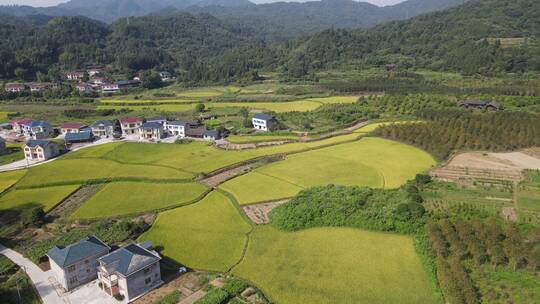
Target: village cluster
(89,80)
(126,273)
(39,147)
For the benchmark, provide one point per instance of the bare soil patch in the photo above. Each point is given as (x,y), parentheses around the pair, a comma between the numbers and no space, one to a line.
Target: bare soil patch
(496,166)
(75,200)
(214,181)
(258,213)
(187,284)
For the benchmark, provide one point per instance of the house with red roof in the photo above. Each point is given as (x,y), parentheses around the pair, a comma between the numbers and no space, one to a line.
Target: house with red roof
(40,86)
(15,87)
(131,125)
(72,127)
(21,125)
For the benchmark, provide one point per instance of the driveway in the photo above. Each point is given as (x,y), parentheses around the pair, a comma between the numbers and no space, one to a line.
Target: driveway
(45,283)
(39,278)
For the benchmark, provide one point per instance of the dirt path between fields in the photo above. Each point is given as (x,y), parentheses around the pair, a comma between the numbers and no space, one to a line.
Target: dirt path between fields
(216,180)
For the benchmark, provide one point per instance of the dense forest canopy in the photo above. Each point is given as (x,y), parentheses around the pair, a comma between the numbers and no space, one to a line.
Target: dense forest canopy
(482,36)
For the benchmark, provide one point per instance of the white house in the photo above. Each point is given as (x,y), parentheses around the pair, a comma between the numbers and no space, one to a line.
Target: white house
(77,264)
(21,126)
(38,130)
(263,122)
(166,76)
(130,125)
(212,135)
(15,87)
(176,128)
(131,271)
(105,128)
(40,150)
(110,88)
(72,127)
(75,75)
(151,131)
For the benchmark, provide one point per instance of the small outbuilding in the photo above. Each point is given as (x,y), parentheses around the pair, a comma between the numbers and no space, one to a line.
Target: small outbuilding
(79,137)
(481,105)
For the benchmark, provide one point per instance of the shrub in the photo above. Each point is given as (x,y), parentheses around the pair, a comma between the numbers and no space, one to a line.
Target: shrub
(235,286)
(120,297)
(171,298)
(33,217)
(215,296)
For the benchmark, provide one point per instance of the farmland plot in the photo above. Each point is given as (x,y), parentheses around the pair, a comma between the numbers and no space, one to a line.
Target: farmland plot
(47,198)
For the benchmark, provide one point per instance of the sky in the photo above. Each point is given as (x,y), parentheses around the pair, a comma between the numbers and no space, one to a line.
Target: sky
(54,2)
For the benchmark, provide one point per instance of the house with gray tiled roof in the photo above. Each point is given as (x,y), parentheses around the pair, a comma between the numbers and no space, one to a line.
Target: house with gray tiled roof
(105,128)
(37,150)
(131,271)
(77,264)
(152,131)
(263,122)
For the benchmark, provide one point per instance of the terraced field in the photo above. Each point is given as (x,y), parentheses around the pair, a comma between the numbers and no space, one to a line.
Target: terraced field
(123,198)
(207,235)
(335,265)
(8,179)
(47,198)
(370,162)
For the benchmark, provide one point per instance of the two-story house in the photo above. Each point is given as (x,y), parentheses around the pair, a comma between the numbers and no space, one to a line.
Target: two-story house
(105,128)
(21,125)
(15,87)
(130,125)
(176,128)
(131,271)
(152,131)
(72,127)
(39,130)
(40,150)
(77,264)
(263,122)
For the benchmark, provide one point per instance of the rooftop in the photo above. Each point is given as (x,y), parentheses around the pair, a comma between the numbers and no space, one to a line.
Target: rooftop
(151,125)
(263,116)
(81,136)
(38,142)
(72,125)
(103,122)
(87,247)
(131,120)
(128,260)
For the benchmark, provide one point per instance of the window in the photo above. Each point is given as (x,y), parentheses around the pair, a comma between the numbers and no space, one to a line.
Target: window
(73,280)
(86,261)
(148,281)
(147,270)
(71,268)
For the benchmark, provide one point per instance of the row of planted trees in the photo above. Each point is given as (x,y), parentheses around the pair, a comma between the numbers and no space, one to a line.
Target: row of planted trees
(462,246)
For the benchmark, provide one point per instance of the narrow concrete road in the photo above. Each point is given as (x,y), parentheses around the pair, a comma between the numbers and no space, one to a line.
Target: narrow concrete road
(39,278)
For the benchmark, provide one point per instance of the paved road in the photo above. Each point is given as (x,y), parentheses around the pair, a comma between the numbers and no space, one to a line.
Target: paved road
(39,278)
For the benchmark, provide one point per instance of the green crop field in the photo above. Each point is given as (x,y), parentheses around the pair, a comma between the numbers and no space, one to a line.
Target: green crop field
(80,170)
(8,179)
(207,235)
(335,265)
(124,198)
(239,139)
(177,107)
(47,198)
(146,101)
(370,162)
(278,107)
(335,99)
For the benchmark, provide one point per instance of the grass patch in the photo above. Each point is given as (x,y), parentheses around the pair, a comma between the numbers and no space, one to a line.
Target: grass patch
(207,235)
(14,153)
(8,179)
(47,198)
(370,162)
(124,198)
(335,265)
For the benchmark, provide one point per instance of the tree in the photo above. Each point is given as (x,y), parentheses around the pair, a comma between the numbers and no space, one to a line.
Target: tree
(200,107)
(33,216)
(151,80)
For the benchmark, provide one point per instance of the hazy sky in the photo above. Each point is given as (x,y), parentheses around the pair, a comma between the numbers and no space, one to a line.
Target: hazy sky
(54,2)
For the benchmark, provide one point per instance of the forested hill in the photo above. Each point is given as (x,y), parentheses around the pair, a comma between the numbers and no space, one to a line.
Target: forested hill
(481,36)
(278,20)
(179,41)
(275,20)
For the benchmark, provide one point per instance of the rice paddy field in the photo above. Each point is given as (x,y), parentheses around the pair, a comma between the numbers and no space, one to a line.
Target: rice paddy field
(47,198)
(239,139)
(8,179)
(125,198)
(372,162)
(207,235)
(335,265)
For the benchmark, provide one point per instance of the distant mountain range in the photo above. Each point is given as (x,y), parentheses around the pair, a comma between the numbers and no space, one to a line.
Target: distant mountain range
(275,20)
